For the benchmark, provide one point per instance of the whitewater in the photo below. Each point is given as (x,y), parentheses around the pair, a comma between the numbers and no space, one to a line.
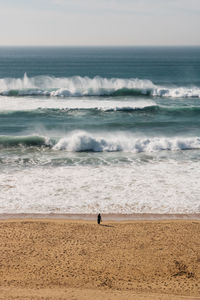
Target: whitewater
(78,86)
(110,130)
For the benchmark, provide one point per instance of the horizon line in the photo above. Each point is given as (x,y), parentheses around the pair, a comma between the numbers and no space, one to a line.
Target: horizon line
(99,46)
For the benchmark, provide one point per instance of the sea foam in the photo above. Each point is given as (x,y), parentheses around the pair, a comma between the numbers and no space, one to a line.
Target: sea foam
(157,187)
(23,104)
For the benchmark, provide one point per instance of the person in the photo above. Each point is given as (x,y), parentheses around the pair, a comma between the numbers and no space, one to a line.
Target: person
(99,219)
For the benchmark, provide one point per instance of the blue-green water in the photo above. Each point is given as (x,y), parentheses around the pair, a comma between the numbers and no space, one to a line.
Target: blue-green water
(114,129)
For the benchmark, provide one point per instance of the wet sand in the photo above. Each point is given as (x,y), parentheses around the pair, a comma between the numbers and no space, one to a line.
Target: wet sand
(106,217)
(71,259)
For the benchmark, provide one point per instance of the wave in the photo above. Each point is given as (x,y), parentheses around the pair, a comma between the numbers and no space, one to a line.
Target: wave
(28,141)
(82,141)
(84,86)
(149,108)
(67,105)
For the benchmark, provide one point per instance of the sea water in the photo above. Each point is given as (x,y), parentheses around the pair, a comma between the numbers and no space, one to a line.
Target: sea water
(110,130)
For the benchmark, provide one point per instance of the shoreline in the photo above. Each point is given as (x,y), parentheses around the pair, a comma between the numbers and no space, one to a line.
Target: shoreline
(105,217)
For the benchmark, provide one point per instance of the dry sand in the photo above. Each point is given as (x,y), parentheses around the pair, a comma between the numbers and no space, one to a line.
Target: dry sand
(59,259)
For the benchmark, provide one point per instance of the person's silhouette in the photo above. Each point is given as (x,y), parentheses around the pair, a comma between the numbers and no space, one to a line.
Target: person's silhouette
(99,219)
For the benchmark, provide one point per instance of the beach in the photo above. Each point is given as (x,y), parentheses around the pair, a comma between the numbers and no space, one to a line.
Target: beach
(100,150)
(110,130)
(78,259)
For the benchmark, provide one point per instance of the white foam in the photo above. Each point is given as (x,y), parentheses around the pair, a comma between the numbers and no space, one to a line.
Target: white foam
(70,86)
(123,141)
(176,92)
(27,104)
(156,187)
(84,86)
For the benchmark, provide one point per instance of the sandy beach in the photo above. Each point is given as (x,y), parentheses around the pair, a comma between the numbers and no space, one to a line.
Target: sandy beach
(71,259)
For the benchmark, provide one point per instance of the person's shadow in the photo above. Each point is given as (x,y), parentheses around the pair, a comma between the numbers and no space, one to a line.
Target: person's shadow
(106,225)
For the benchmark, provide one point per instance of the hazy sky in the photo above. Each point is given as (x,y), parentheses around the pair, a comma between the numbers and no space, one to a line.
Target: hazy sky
(100,22)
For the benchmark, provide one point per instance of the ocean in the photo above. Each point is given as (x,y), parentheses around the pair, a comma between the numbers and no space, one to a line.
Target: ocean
(100,129)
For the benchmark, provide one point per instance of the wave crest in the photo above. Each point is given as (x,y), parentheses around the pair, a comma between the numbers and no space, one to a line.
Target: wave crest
(82,141)
(84,86)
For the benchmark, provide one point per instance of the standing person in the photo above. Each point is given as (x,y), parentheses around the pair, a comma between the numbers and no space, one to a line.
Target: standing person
(99,219)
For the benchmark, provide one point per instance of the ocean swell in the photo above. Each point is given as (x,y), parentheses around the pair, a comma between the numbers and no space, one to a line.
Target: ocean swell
(27,141)
(84,86)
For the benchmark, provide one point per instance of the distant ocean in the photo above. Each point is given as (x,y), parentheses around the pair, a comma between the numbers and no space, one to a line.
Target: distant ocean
(110,130)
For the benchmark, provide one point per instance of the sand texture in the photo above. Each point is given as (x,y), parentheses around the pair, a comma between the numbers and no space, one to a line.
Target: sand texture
(56,259)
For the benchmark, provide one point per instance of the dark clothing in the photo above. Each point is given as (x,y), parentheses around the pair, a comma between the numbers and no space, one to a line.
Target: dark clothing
(99,219)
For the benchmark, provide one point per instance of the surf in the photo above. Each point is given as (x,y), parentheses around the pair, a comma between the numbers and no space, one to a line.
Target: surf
(77,86)
(83,141)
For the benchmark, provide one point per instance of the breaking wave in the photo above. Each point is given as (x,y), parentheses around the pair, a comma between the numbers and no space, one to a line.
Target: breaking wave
(81,141)
(84,86)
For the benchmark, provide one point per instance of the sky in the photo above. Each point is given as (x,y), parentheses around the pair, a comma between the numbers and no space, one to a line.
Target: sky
(99,22)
